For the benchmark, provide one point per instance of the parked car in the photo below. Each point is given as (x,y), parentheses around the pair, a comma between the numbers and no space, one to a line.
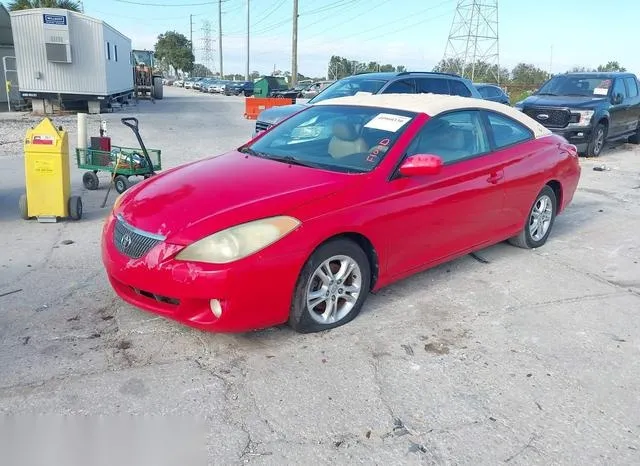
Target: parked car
(280,231)
(205,83)
(188,83)
(197,83)
(408,82)
(312,90)
(178,83)
(220,85)
(493,92)
(588,109)
(238,87)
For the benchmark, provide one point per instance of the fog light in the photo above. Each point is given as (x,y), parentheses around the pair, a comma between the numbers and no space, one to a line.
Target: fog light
(216,308)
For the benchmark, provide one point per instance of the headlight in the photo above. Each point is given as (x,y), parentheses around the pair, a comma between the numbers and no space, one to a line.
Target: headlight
(585,117)
(239,241)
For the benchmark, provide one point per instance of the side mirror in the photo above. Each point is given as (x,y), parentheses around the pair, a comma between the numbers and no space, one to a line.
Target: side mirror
(421,164)
(617,99)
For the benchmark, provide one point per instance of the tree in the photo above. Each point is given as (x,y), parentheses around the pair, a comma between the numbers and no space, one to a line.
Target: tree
(483,71)
(525,74)
(175,48)
(254,75)
(29,4)
(611,66)
(339,67)
(201,70)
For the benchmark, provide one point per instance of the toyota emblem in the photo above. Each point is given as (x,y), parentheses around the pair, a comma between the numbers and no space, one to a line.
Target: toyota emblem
(125,241)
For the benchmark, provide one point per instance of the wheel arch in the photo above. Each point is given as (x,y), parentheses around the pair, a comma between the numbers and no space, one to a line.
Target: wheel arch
(557,190)
(364,243)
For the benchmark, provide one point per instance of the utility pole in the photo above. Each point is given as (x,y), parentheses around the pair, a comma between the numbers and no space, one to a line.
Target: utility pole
(294,46)
(220,37)
(191,31)
(246,76)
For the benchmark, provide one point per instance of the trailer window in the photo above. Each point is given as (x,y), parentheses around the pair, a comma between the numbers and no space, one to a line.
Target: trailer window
(115,52)
(108,51)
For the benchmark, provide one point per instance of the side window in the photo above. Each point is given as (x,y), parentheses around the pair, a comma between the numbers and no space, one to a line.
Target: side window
(453,136)
(459,88)
(632,87)
(484,91)
(403,86)
(432,86)
(494,92)
(618,88)
(108,51)
(115,52)
(507,131)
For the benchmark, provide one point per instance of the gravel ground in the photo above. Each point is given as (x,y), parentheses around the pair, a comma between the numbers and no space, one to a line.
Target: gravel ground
(531,357)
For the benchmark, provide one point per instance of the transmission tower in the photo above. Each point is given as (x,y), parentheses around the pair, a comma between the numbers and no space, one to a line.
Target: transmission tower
(473,47)
(207,51)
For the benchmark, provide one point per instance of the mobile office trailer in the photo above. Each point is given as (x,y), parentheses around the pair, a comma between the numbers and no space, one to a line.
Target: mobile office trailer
(64,57)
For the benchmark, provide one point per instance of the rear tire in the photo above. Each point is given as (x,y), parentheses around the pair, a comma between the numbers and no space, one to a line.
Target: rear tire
(332,287)
(598,138)
(75,207)
(90,181)
(541,216)
(158,89)
(635,139)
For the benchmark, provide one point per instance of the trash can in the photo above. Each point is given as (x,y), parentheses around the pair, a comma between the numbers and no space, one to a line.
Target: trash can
(47,175)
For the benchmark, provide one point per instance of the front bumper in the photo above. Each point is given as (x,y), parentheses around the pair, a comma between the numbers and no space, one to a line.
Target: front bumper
(254,293)
(579,137)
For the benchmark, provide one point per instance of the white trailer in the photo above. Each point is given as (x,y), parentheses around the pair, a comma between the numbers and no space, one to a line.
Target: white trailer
(68,58)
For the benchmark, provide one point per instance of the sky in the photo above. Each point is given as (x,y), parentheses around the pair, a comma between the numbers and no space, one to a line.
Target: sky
(552,34)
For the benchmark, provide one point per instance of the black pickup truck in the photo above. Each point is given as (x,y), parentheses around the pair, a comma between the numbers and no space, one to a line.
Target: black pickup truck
(588,109)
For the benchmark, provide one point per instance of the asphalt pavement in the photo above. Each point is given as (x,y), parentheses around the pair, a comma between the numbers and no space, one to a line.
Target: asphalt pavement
(521,357)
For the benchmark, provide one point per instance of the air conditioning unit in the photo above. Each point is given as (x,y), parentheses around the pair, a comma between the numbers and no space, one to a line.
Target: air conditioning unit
(56,37)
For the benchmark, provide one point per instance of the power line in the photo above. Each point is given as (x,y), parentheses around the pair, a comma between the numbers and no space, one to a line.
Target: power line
(273,10)
(168,4)
(375,29)
(323,33)
(330,6)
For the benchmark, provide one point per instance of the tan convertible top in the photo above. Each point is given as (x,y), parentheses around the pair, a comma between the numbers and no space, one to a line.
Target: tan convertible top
(433,104)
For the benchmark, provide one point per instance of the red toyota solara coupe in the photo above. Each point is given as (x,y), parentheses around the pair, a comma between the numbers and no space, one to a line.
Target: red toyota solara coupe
(343,198)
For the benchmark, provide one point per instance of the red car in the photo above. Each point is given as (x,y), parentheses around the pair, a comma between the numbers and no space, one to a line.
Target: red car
(344,197)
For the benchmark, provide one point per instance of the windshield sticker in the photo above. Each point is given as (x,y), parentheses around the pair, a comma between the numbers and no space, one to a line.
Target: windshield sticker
(380,147)
(600,91)
(387,122)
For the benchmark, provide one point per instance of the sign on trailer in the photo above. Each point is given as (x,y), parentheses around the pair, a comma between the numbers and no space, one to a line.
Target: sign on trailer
(59,20)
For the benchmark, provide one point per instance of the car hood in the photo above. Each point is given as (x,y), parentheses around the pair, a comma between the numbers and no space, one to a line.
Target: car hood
(563,101)
(189,202)
(274,115)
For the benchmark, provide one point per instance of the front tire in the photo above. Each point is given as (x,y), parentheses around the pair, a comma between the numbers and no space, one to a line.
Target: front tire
(539,221)
(332,287)
(121,183)
(598,138)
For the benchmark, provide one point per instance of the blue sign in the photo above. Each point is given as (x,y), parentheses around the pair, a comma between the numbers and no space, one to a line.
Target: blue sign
(58,20)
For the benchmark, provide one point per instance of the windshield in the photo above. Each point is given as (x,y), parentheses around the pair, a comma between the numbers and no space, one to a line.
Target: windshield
(348,87)
(341,138)
(586,86)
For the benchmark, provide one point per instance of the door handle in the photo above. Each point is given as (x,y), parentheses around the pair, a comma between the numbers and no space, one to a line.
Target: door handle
(495,177)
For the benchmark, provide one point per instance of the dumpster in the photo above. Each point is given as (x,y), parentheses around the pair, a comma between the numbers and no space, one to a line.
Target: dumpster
(47,176)
(267,85)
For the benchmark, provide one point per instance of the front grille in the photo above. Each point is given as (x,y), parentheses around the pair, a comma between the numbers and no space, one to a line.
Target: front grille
(550,117)
(132,242)
(262,126)
(157,297)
